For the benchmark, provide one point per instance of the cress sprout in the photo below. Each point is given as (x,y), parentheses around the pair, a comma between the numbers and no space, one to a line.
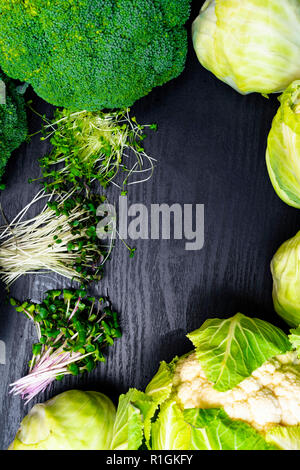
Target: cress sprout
(94,146)
(62,238)
(72,329)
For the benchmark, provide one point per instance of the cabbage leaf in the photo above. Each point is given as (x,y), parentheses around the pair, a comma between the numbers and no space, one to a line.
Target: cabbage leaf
(230,350)
(284,437)
(283,150)
(212,429)
(170,431)
(294,338)
(160,386)
(134,414)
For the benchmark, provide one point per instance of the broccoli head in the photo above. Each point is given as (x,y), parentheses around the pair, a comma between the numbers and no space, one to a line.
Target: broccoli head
(13,121)
(93,54)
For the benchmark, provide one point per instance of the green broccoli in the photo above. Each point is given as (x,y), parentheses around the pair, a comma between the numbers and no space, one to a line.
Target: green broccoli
(13,121)
(93,54)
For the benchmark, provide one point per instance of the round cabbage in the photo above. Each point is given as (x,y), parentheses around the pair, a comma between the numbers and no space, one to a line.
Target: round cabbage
(252,45)
(285,268)
(93,54)
(73,420)
(283,151)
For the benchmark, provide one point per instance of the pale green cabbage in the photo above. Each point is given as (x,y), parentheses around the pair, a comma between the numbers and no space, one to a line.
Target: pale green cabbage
(283,151)
(73,420)
(285,268)
(252,45)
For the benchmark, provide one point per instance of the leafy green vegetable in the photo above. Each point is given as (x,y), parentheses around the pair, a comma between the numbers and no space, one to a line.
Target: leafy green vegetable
(194,413)
(283,152)
(286,281)
(134,414)
(73,420)
(212,429)
(170,431)
(294,338)
(284,437)
(160,387)
(13,120)
(73,329)
(230,350)
(252,45)
(91,147)
(62,238)
(93,54)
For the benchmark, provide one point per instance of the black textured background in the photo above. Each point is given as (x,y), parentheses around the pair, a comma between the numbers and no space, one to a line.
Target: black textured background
(210,148)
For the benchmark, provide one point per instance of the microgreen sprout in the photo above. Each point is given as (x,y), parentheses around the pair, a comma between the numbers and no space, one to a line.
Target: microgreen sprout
(89,146)
(73,329)
(62,238)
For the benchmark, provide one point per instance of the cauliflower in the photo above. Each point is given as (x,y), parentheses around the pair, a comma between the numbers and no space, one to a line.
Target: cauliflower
(271,395)
(238,390)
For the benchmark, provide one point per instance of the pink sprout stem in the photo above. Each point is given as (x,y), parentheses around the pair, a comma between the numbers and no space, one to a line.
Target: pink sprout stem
(44,373)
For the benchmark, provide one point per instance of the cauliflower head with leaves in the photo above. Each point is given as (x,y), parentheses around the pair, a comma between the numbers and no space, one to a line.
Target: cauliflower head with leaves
(238,390)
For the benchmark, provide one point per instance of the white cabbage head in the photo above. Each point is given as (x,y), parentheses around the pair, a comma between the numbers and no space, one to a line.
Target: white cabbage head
(283,151)
(73,420)
(252,45)
(286,280)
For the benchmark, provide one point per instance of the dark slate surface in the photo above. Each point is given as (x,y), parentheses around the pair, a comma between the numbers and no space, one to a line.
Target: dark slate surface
(210,148)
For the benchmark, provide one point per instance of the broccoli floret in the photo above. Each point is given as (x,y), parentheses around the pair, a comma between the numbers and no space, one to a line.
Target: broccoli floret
(93,54)
(13,121)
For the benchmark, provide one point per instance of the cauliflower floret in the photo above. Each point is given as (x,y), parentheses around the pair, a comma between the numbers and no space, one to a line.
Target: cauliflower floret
(271,395)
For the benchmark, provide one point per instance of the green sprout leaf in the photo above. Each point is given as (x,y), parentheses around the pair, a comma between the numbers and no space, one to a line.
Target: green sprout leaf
(71,341)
